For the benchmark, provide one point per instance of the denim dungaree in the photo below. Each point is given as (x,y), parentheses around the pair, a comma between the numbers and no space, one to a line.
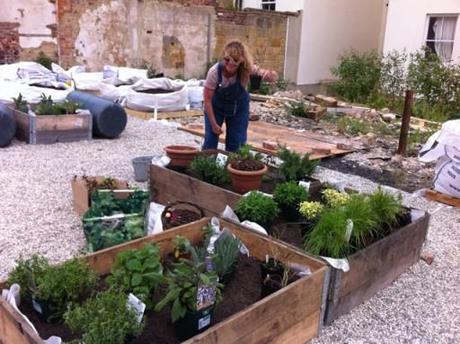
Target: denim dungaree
(231,104)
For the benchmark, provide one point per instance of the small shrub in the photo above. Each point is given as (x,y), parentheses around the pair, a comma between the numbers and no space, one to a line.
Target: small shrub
(208,169)
(26,273)
(311,210)
(138,271)
(257,207)
(334,198)
(294,166)
(20,104)
(289,195)
(104,319)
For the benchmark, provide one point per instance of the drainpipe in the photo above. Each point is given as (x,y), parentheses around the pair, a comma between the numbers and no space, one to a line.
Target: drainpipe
(285,47)
(208,43)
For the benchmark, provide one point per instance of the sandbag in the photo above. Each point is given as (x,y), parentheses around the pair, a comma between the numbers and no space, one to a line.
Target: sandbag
(7,125)
(109,119)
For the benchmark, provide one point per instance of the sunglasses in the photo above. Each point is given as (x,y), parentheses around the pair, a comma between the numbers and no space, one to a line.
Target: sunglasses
(230,60)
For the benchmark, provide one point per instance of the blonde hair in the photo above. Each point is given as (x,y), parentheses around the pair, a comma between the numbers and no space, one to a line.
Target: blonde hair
(239,52)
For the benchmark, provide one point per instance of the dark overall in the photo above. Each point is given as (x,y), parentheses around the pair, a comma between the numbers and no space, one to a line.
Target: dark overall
(230,104)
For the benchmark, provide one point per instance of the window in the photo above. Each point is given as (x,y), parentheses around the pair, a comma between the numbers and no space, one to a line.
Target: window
(239,4)
(440,35)
(269,5)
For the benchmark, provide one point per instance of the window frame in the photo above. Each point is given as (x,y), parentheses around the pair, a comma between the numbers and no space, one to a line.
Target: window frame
(268,3)
(427,28)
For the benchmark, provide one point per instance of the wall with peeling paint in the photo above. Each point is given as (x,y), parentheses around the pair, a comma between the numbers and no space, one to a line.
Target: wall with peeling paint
(37,20)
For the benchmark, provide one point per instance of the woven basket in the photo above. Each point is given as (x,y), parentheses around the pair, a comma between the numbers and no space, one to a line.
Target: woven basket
(180,213)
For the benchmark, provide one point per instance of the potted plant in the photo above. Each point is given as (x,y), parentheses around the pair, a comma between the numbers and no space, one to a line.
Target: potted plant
(207,168)
(193,292)
(182,247)
(52,288)
(311,212)
(138,271)
(246,170)
(104,319)
(288,196)
(227,250)
(180,155)
(294,166)
(257,207)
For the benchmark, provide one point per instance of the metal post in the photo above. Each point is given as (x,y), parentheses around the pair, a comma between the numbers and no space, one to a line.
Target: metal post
(405,121)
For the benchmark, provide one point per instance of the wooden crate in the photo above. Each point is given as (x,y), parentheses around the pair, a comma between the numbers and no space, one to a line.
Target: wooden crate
(51,128)
(374,268)
(291,315)
(167,186)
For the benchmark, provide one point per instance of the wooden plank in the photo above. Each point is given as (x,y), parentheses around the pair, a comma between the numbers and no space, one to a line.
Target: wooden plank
(301,142)
(374,268)
(13,328)
(443,198)
(167,186)
(164,115)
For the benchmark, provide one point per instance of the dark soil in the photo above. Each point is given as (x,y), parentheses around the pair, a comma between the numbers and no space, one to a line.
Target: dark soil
(180,217)
(156,91)
(382,177)
(247,165)
(243,290)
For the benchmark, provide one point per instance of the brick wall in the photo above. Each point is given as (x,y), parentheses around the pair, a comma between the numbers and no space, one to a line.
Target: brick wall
(9,42)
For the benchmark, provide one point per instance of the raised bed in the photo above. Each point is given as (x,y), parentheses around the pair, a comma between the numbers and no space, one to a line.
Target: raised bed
(52,128)
(167,186)
(290,315)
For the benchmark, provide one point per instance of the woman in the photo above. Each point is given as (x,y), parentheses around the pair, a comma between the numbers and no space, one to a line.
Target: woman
(226,97)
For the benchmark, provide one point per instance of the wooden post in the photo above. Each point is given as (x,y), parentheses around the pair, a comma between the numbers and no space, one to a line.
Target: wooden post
(405,121)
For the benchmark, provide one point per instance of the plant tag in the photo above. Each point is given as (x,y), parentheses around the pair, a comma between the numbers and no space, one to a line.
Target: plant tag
(221,159)
(305,185)
(37,306)
(349,229)
(203,322)
(260,192)
(206,296)
(137,305)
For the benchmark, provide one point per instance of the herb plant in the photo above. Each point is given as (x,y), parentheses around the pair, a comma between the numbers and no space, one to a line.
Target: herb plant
(288,196)
(104,319)
(26,272)
(227,249)
(20,104)
(138,271)
(386,207)
(311,210)
(48,107)
(207,168)
(294,166)
(257,207)
(182,246)
(183,284)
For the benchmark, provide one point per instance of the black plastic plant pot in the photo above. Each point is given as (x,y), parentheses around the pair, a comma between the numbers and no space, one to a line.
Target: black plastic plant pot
(44,310)
(226,278)
(193,323)
(255,81)
(271,268)
(291,214)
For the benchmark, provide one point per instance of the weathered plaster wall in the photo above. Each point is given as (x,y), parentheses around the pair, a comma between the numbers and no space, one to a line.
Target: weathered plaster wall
(36,27)
(171,37)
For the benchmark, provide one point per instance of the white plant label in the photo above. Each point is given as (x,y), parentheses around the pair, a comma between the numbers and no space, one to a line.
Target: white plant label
(203,322)
(349,229)
(137,305)
(221,159)
(260,192)
(305,185)
(37,306)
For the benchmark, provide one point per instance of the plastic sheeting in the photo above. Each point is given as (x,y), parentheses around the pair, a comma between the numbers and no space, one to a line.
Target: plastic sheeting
(444,146)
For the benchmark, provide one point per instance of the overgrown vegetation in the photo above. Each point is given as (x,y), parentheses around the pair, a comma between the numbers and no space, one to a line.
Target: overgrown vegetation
(44,60)
(381,81)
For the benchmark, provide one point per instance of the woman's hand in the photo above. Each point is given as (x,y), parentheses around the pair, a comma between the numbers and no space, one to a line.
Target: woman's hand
(216,129)
(270,75)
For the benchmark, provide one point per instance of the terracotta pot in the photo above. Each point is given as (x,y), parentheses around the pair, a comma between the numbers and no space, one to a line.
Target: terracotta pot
(244,181)
(181,156)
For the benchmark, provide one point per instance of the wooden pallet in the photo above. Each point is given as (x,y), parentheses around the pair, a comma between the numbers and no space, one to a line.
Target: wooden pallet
(318,146)
(443,198)
(163,115)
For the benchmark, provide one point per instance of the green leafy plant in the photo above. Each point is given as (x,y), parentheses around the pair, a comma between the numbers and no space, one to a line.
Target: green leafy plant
(297,109)
(105,204)
(244,153)
(20,104)
(182,246)
(311,210)
(104,319)
(386,207)
(183,282)
(353,126)
(207,168)
(48,107)
(26,272)
(138,271)
(294,166)
(288,196)
(44,60)
(226,250)
(334,198)
(257,207)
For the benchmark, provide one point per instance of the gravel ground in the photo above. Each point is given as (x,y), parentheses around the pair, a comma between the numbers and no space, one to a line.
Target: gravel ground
(36,216)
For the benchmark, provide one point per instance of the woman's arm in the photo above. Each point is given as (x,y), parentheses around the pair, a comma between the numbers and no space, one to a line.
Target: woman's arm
(208,93)
(266,74)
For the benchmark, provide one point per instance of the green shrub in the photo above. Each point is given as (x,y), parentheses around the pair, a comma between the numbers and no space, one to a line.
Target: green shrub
(358,209)
(358,75)
(294,166)
(104,319)
(20,104)
(138,271)
(26,273)
(297,109)
(311,210)
(289,195)
(257,207)
(48,107)
(207,168)
(386,207)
